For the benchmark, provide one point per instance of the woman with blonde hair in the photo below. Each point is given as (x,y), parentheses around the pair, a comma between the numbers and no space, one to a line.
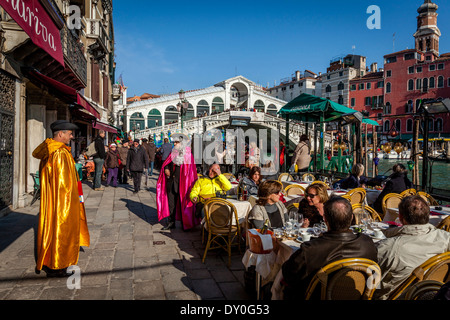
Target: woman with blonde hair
(312,205)
(356,178)
(268,206)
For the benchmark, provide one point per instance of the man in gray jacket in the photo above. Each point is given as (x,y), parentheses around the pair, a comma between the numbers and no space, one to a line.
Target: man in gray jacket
(408,246)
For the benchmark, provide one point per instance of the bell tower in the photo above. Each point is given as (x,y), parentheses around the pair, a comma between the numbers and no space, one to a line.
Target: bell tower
(428,33)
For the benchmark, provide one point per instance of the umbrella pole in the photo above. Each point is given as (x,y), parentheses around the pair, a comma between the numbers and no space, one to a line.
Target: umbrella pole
(286,149)
(322,143)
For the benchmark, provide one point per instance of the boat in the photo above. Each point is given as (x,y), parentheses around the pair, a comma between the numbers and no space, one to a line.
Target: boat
(394,155)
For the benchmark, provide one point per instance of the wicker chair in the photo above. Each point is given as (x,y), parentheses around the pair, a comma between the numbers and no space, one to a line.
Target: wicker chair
(308,177)
(229,176)
(285,177)
(222,225)
(294,189)
(346,279)
(375,216)
(391,200)
(356,195)
(423,290)
(428,198)
(444,224)
(436,268)
(322,183)
(408,192)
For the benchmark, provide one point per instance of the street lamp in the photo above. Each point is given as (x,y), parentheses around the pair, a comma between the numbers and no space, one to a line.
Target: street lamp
(182,106)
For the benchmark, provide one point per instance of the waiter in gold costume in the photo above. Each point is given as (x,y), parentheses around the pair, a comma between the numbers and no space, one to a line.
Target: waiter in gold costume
(62,226)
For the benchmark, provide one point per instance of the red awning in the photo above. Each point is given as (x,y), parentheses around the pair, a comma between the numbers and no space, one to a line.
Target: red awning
(103,126)
(64,92)
(33,19)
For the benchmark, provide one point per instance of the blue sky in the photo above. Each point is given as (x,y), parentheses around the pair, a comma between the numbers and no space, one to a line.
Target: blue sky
(164,46)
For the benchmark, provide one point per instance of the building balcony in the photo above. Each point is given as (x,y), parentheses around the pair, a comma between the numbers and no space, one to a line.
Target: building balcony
(74,54)
(96,31)
(377,106)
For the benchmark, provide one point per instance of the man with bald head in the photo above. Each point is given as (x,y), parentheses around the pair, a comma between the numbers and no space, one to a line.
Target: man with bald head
(339,242)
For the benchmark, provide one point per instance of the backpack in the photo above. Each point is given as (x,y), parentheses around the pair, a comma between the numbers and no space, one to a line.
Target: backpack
(91,150)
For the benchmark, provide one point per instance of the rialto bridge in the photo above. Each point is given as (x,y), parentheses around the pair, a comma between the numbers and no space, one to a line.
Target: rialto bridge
(211,108)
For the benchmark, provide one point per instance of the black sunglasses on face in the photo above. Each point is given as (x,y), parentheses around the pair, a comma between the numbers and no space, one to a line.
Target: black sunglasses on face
(310,195)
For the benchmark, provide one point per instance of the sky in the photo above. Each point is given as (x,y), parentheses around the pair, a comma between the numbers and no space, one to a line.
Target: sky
(164,46)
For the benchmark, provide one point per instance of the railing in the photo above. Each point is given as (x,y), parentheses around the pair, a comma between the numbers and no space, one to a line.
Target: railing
(95,29)
(73,52)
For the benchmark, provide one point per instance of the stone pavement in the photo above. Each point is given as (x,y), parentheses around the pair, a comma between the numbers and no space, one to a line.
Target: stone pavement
(130,257)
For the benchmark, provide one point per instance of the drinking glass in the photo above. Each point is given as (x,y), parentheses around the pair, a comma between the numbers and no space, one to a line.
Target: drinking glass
(317,230)
(338,186)
(366,219)
(300,219)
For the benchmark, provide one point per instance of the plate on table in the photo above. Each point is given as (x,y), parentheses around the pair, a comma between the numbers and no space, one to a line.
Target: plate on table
(381,225)
(371,234)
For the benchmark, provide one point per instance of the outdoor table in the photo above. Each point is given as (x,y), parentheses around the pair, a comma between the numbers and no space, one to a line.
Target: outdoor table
(436,216)
(243,208)
(304,184)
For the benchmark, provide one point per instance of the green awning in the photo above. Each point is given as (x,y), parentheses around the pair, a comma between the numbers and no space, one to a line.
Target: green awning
(370,121)
(310,108)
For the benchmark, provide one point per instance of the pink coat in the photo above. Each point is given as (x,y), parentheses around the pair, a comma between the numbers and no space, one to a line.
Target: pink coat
(188,176)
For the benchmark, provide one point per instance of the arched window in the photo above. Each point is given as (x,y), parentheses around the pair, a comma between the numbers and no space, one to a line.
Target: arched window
(202,107)
(431,82)
(190,112)
(388,87)
(409,106)
(154,118)
(328,89)
(425,84)
(272,109)
(340,99)
(438,124)
(418,84)
(430,124)
(387,126)
(387,108)
(259,106)
(217,105)
(398,125)
(410,84)
(341,86)
(409,125)
(171,115)
(137,121)
(440,83)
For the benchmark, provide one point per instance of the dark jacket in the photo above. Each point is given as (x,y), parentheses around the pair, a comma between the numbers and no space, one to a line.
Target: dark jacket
(397,183)
(150,147)
(112,159)
(123,152)
(309,212)
(100,148)
(352,182)
(317,253)
(137,159)
(250,186)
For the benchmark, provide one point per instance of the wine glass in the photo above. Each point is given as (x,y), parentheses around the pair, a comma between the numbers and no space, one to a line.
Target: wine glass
(323,227)
(366,219)
(317,230)
(300,219)
(338,186)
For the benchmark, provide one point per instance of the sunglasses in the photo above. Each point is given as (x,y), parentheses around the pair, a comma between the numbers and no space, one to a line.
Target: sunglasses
(310,195)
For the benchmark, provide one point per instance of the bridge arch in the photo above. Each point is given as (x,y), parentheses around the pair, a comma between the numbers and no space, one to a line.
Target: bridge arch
(259,106)
(137,121)
(202,107)
(170,115)
(154,118)
(218,105)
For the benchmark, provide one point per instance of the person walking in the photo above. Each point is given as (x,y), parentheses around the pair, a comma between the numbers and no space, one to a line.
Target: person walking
(112,163)
(137,161)
(150,147)
(165,149)
(62,227)
(302,154)
(99,160)
(123,153)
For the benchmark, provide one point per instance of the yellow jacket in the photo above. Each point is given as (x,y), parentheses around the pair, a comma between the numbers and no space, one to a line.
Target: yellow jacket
(205,187)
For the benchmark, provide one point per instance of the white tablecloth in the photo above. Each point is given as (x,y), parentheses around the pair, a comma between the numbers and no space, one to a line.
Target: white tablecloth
(435,219)
(242,207)
(304,184)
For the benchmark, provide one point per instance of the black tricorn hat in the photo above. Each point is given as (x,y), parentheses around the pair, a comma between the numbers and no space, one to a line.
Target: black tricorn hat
(63,125)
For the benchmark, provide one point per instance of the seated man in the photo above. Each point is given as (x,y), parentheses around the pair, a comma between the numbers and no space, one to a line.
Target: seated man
(408,246)
(336,244)
(207,186)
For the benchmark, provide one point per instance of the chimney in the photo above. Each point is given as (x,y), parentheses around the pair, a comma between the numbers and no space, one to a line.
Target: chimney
(297,75)
(374,67)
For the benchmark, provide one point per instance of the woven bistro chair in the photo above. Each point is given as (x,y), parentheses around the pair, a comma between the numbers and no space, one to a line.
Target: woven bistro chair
(346,279)
(423,290)
(356,195)
(444,224)
(294,189)
(436,268)
(322,183)
(285,177)
(391,200)
(308,177)
(428,198)
(222,225)
(375,216)
(229,176)
(36,187)
(408,192)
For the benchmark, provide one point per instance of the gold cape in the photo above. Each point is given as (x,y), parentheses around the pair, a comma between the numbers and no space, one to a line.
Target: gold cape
(62,219)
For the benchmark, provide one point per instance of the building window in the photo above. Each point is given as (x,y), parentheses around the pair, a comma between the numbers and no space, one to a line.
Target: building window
(380,84)
(341,99)
(440,66)
(431,82)
(440,83)
(341,73)
(379,116)
(391,59)
(368,86)
(411,70)
(367,101)
(419,70)
(352,102)
(353,87)
(341,86)
(432,67)
(328,89)
(361,86)
(410,85)
(398,125)
(418,84)
(387,125)
(438,124)
(389,73)
(418,104)
(387,108)
(409,125)
(388,87)
(409,106)
(425,84)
